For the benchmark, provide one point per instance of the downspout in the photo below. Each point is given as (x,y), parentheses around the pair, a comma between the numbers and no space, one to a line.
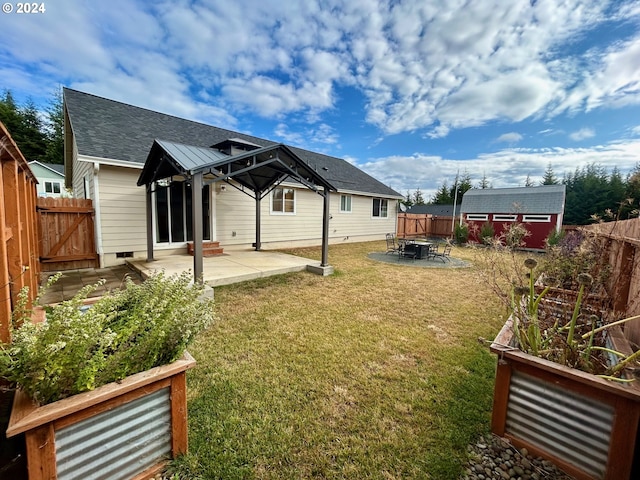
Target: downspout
(98,214)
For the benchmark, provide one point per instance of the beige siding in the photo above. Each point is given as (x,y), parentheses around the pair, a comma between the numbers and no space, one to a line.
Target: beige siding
(122,213)
(123,218)
(80,171)
(236,213)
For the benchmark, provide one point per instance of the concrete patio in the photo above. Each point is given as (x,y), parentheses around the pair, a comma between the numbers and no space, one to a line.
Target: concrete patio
(232,267)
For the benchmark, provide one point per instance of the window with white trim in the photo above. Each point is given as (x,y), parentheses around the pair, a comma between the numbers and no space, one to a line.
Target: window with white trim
(477,217)
(505,218)
(283,201)
(52,187)
(345,203)
(536,218)
(380,208)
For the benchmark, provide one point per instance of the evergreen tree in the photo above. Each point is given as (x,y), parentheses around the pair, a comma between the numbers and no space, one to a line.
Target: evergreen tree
(463,184)
(442,196)
(32,140)
(549,177)
(528,182)
(484,182)
(55,129)
(418,198)
(408,200)
(10,115)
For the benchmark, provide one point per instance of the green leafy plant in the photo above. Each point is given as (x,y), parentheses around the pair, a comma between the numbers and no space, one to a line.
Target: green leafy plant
(487,233)
(567,336)
(554,238)
(125,332)
(461,233)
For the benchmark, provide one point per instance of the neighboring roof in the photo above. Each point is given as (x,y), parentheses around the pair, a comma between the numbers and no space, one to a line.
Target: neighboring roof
(439,210)
(113,130)
(543,199)
(258,169)
(53,167)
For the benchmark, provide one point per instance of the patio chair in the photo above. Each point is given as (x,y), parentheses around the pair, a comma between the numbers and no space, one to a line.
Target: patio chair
(444,254)
(392,246)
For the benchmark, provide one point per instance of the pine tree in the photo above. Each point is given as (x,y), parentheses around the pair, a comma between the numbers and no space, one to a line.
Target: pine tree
(32,141)
(442,196)
(528,182)
(418,198)
(55,129)
(484,182)
(549,177)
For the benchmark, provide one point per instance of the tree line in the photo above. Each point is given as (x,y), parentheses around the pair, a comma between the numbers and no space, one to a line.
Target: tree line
(38,134)
(592,193)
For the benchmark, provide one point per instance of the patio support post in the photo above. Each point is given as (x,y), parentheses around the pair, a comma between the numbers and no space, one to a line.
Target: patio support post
(149,205)
(196,222)
(258,222)
(325,229)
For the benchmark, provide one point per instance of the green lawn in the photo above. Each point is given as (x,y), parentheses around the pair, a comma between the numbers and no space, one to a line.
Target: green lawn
(374,372)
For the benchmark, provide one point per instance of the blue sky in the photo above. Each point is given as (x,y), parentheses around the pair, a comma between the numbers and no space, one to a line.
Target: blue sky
(410,91)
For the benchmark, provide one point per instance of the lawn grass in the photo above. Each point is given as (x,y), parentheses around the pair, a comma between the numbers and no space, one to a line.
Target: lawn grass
(374,372)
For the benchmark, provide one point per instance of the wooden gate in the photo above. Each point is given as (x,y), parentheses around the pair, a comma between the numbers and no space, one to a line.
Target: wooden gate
(66,231)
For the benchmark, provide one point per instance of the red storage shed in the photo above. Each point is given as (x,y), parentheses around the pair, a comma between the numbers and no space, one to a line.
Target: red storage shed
(540,209)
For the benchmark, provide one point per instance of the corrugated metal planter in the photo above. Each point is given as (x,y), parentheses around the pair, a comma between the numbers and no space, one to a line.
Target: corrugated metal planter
(122,430)
(586,425)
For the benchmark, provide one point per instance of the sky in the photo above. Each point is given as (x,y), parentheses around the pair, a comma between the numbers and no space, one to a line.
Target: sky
(411,91)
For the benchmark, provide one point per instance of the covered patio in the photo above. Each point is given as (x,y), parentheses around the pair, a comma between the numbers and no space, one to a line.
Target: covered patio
(253,170)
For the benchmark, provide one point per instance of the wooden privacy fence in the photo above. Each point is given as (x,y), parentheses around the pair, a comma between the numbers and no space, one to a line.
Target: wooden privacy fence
(424,225)
(19,265)
(67,240)
(623,245)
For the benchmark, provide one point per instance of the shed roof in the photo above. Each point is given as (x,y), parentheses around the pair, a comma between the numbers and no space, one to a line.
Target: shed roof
(108,129)
(543,199)
(441,210)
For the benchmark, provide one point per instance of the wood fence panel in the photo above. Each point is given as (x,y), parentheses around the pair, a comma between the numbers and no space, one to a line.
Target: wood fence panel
(624,255)
(19,266)
(67,240)
(423,225)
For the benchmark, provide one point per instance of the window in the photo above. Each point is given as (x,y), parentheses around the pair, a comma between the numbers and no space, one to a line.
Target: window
(52,187)
(283,200)
(478,217)
(345,203)
(536,218)
(380,207)
(173,213)
(505,218)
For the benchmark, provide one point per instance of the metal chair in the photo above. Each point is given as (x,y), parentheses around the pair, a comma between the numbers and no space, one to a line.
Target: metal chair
(392,247)
(445,254)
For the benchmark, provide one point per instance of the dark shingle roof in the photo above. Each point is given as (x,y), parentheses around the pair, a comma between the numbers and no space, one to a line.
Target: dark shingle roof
(55,166)
(544,199)
(439,210)
(108,129)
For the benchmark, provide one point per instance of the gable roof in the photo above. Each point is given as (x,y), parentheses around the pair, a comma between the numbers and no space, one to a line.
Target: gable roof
(544,199)
(258,169)
(113,130)
(54,168)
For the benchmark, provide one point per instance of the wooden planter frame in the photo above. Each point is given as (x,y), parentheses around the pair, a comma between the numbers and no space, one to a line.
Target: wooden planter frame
(40,424)
(621,400)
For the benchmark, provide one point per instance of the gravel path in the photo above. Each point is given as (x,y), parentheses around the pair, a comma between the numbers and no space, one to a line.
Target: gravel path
(494,458)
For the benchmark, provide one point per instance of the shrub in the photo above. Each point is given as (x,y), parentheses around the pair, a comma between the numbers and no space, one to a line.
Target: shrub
(461,233)
(515,234)
(554,238)
(487,233)
(125,332)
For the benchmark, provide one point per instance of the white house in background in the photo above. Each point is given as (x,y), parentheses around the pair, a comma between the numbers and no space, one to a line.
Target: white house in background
(50,179)
(107,144)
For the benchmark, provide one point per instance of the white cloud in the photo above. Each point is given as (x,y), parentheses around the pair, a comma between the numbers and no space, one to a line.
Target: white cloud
(582,134)
(636,130)
(505,168)
(422,65)
(511,137)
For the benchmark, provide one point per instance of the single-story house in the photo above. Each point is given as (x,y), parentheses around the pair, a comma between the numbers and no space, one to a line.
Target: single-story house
(50,178)
(540,209)
(109,144)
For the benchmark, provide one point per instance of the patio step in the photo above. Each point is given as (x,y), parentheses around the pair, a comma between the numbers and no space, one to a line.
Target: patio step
(209,249)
